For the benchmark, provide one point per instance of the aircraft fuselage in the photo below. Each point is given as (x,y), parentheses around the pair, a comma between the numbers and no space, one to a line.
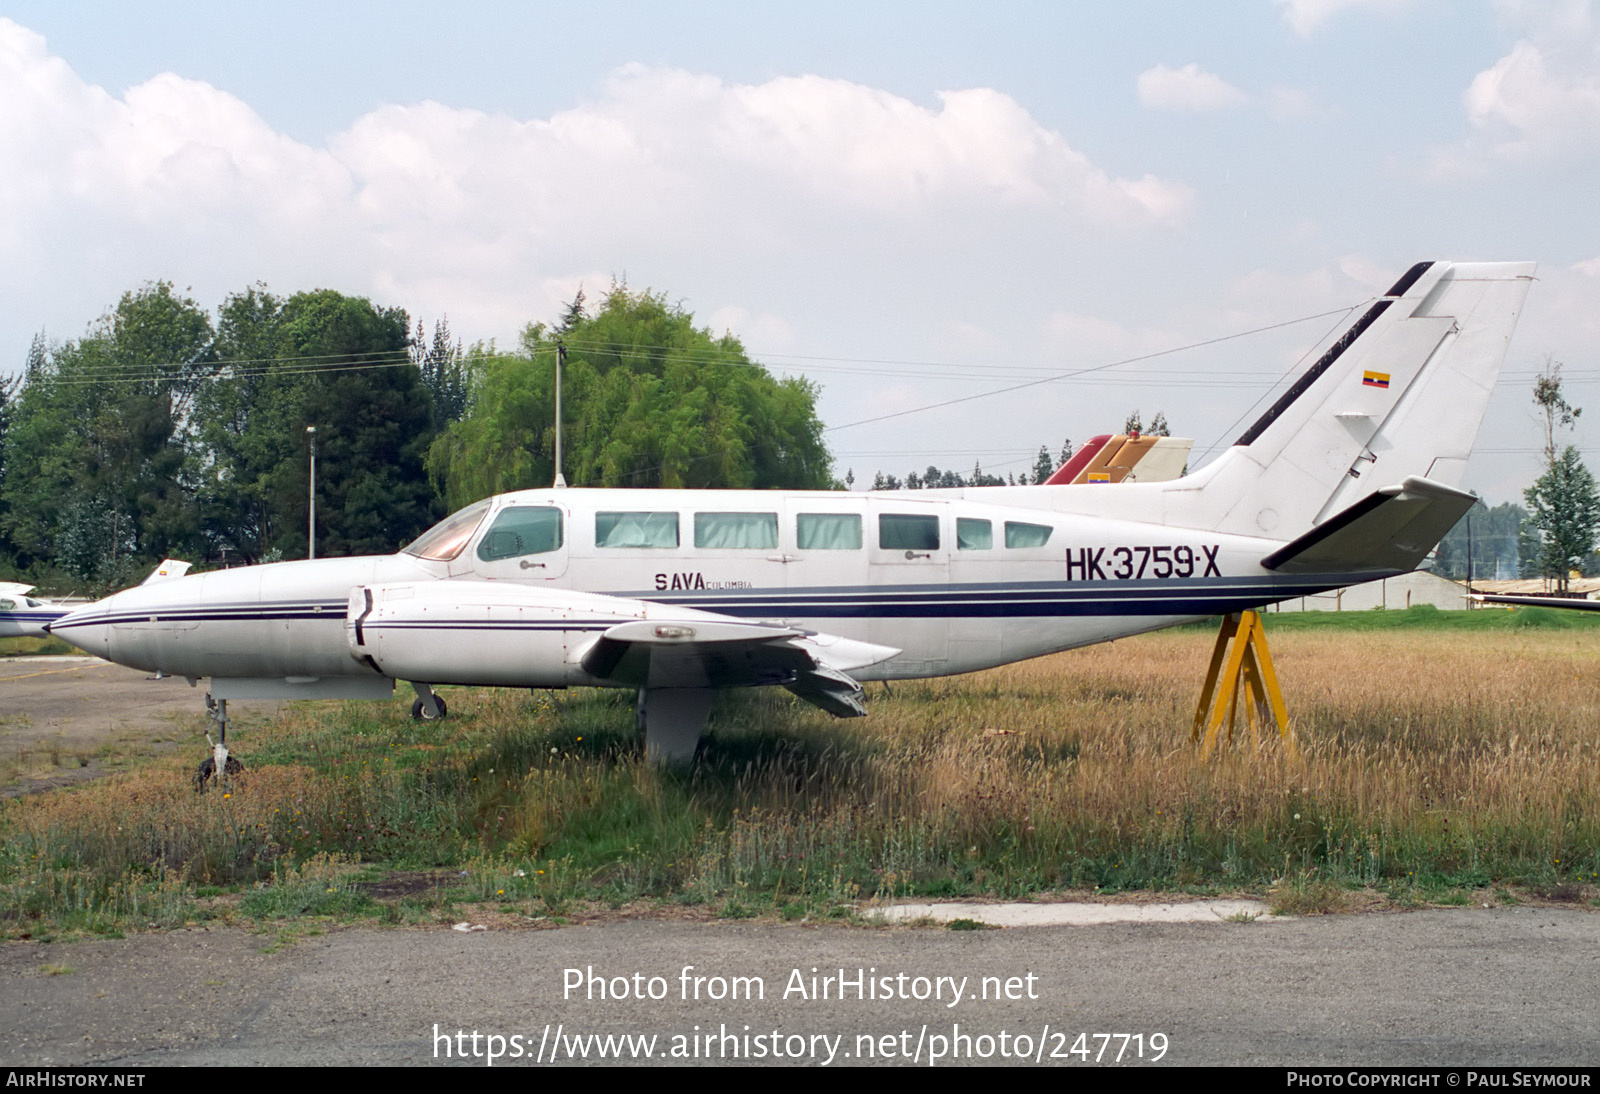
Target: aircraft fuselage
(952,583)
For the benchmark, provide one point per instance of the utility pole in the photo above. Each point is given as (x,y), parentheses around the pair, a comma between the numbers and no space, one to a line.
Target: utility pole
(311,520)
(561,357)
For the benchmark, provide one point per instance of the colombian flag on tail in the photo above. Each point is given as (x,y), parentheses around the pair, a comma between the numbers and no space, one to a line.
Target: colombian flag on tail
(1375,379)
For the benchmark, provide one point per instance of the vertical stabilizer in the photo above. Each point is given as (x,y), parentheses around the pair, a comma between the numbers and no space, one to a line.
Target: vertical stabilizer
(1400,395)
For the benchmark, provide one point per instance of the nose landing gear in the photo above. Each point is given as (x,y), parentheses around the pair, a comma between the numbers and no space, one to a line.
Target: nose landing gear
(219,760)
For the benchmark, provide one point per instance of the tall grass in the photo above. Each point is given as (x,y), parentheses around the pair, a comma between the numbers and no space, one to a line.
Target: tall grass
(1429,757)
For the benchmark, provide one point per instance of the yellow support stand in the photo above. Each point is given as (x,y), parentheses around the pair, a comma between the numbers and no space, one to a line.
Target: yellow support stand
(1247,664)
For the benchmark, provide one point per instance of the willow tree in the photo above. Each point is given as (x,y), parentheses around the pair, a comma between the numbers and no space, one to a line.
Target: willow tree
(648,400)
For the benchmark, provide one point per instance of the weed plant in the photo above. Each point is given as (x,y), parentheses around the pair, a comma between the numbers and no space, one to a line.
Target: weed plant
(1434,760)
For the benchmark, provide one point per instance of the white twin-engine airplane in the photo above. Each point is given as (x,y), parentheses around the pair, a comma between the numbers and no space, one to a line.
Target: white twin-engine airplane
(1351,475)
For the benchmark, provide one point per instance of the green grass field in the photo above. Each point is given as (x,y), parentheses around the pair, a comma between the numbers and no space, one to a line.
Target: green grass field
(1443,757)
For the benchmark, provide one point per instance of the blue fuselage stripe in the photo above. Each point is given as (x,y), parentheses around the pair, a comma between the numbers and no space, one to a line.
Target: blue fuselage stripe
(1207,596)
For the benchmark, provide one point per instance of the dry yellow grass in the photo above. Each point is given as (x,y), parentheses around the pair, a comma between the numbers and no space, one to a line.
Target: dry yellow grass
(1427,757)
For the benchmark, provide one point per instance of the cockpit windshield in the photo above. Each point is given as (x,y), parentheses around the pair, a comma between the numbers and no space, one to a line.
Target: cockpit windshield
(444,540)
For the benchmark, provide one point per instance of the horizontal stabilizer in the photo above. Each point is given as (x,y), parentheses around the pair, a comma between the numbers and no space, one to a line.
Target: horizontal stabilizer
(1390,531)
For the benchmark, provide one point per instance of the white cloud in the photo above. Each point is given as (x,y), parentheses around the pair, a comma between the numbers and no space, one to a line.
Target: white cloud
(484,215)
(1539,102)
(1524,106)
(1187,88)
(1306,16)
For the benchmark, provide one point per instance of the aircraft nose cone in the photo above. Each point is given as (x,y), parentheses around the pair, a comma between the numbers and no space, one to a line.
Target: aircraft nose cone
(85,628)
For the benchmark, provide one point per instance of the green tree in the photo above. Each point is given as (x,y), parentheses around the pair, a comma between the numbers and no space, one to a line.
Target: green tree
(10,387)
(374,422)
(1158,425)
(1563,504)
(1563,516)
(98,471)
(444,372)
(1552,403)
(1043,467)
(1494,536)
(648,400)
(335,362)
(246,423)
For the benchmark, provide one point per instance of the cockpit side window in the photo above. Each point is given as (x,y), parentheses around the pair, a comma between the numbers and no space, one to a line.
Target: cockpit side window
(444,540)
(522,530)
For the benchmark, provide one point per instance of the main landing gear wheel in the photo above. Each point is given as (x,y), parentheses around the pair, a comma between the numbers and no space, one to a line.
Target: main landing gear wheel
(419,709)
(208,770)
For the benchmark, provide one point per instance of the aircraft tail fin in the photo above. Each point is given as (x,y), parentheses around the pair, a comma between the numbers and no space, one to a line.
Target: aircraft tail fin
(169,568)
(1107,460)
(1397,399)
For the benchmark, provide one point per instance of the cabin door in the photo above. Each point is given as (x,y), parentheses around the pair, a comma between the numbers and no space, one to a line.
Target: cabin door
(908,551)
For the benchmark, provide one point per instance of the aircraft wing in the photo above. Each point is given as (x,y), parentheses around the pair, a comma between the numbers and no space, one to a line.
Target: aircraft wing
(1515,601)
(1391,530)
(499,634)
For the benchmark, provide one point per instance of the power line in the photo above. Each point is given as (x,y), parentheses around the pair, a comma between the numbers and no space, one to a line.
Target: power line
(1085,371)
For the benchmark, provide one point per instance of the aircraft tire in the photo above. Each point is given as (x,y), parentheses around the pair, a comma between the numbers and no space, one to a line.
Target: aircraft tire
(208,768)
(419,710)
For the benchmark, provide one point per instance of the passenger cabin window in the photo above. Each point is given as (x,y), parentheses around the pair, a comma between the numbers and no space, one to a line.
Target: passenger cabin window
(908,532)
(1027,535)
(827,531)
(521,530)
(751,531)
(636,529)
(444,540)
(974,535)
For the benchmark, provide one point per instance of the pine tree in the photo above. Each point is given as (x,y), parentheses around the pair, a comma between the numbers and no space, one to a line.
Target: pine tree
(1564,503)
(1043,468)
(1564,515)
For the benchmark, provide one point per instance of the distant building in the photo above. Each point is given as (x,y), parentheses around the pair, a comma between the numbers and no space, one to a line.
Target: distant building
(1586,588)
(1405,591)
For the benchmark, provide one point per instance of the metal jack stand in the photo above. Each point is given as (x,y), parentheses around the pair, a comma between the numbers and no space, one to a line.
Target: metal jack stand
(1247,664)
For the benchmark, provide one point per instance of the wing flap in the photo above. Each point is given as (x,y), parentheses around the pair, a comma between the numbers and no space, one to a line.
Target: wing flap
(831,690)
(704,652)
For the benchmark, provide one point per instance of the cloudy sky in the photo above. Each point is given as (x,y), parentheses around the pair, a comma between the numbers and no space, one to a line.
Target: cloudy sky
(911,204)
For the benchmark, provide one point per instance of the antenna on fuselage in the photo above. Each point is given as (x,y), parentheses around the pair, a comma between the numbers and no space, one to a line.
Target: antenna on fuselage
(561,356)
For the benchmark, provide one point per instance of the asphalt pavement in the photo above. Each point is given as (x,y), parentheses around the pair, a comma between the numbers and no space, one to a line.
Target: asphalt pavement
(1502,986)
